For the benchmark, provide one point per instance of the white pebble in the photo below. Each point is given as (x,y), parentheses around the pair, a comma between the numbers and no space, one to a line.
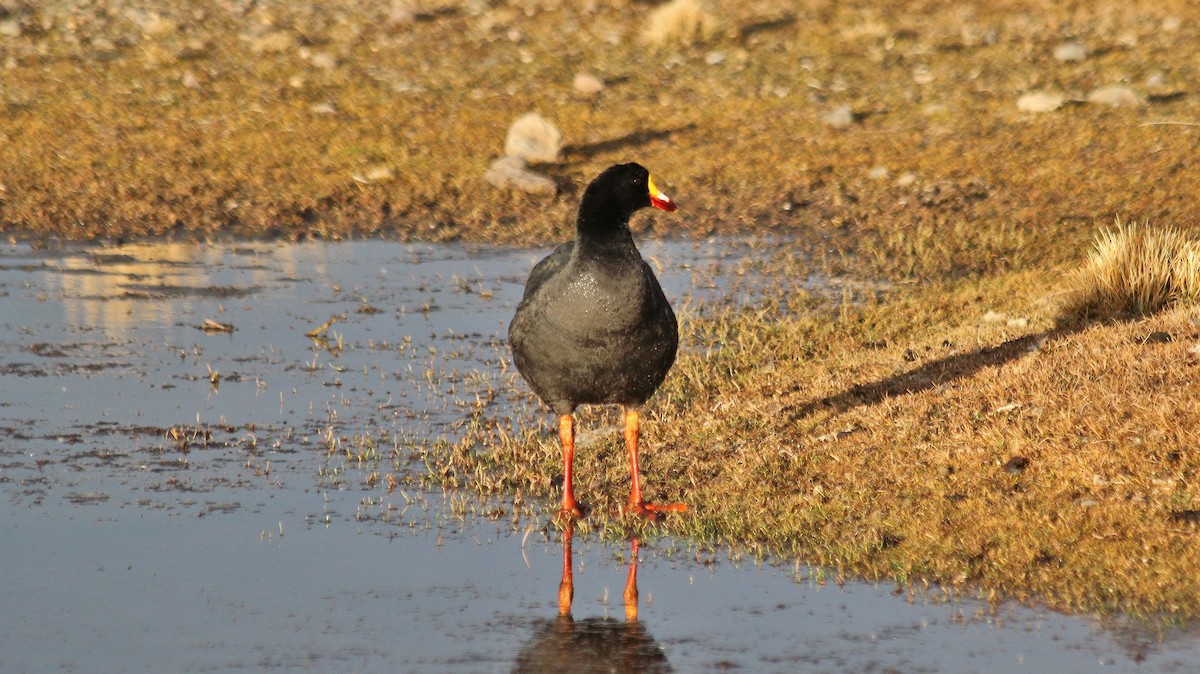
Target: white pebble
(906,179)
(713,58)
(879,173)
(1116,96)
(1070,51)
(588,84)
(840,117)
(1040,101)
(512,172)
(324,61)
(323,109)
(533,138)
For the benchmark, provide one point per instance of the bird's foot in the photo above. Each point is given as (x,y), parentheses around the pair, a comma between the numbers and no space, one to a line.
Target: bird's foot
(571,511)
(654,511)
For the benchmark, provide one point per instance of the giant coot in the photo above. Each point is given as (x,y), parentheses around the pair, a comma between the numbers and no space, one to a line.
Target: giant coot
(593,326)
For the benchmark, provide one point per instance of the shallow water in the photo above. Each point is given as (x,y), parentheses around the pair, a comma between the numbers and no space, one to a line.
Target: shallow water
(179,499)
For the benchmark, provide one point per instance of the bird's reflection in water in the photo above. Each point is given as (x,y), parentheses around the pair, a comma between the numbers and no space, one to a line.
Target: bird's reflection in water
(592,644)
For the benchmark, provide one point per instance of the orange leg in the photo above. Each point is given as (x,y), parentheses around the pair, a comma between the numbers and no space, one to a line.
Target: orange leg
(636,503)
(631,591)
(566,436)
(566,589)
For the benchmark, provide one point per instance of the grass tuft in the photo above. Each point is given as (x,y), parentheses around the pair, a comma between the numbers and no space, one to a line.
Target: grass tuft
(1135,271)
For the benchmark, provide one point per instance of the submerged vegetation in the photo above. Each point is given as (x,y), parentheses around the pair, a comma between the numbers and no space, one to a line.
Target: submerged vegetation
(973,427)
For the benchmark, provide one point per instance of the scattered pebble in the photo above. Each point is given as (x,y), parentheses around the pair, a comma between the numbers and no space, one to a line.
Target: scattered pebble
(588,84)
(1040,101)
(324,61)
(713,58)
(154,24)
(273,42)
(375,175)
(906,179)
(512,172)
(1157,337)
(190,80)
(994,317)
(10,28)
(1070,51)
(840,117)
(1019,322)
(401,15)
(533,138)
(1116,96)
(1016,465)
(879,173)
(325,108)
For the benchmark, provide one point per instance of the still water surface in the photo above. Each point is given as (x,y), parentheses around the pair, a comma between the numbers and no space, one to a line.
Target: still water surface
(182,499)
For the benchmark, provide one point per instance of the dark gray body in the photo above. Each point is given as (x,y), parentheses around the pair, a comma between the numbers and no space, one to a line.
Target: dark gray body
(594,326)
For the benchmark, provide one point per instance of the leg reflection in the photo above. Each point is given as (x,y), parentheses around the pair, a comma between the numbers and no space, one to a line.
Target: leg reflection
(599,644)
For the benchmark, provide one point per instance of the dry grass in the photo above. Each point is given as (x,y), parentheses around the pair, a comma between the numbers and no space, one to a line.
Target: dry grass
(909,439)
(1134,271)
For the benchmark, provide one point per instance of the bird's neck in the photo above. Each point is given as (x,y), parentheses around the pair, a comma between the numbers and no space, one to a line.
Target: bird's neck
(601,228)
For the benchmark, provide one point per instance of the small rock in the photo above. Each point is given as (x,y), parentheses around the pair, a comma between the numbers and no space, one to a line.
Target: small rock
(1016,465)
(1115,96)
(906,179)
(10,28)
(190,80)
(103,46)
(840,117)
(1040,101)
(325,108)
(512,172)
(994,317)
(401,15)
(1171,24)
(375,175)
(1070,51)
(588,84)
(154,24)
(1019,322)
(922,74)
(879,173)
(324,61)
(273,42)
(533,138)
(1157,337)
(713,58)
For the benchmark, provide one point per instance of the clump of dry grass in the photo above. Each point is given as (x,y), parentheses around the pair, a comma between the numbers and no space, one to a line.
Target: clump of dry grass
(1135,271)
(684,22)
